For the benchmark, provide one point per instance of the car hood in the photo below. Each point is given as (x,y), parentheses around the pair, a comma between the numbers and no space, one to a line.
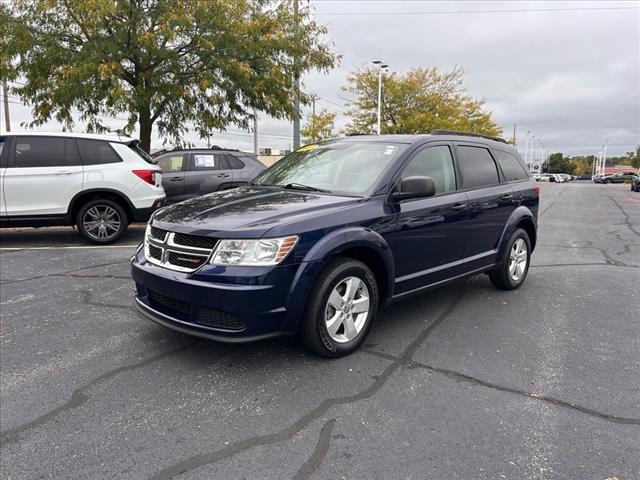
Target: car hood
(246,212)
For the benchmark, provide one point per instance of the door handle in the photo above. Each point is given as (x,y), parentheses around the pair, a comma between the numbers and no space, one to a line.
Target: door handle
(175,179)
(459,206)
(506,196)
(64,172)
(223,175)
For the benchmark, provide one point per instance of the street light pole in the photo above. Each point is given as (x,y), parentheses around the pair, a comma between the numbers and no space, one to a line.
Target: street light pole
(381,66)
(526,148)
(604,155)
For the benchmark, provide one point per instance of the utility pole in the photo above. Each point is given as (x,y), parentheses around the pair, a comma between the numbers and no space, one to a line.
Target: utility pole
(381,66)
(296,82)
(514,135)
(255,132)
(5,97)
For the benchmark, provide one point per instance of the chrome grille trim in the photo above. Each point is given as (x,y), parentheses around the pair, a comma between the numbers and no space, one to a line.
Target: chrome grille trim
(168,245)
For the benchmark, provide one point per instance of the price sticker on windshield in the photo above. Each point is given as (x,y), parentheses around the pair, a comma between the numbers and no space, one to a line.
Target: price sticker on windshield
(308,148)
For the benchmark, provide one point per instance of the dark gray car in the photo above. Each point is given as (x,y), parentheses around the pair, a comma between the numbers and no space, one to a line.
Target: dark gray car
(195,172)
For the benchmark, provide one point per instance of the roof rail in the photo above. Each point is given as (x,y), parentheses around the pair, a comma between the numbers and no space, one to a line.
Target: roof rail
(467,134)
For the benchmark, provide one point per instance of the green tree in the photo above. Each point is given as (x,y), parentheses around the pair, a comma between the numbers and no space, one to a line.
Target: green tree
(633,158)
(559,164)
(171,64)
(319,126)
(580,165)
(418,101)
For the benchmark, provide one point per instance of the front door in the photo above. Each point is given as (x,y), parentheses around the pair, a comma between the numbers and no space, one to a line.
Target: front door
(430,237)
(173,167)
(43,175)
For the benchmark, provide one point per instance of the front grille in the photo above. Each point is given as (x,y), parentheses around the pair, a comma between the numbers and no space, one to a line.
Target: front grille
(205,316)
(219,319)
(197,241)
(155,252)
(158,233)
(185,260)
(170,303)
(178,251)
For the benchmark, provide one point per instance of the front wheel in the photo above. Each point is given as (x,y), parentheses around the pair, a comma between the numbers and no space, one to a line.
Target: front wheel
(607,181)
(341,309)
(101,221)
(512,272)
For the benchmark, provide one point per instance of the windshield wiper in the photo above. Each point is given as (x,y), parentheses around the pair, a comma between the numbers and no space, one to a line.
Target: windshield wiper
(302,186)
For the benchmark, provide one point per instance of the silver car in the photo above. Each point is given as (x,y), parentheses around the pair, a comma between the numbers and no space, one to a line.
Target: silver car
(194,172)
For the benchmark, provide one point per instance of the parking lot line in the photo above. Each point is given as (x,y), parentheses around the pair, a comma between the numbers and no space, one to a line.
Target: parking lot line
(69,247)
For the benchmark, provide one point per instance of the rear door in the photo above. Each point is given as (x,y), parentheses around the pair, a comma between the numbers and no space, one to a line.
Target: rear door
(174,167)
(431,236)
(490,202)
(43,175)
(208,172)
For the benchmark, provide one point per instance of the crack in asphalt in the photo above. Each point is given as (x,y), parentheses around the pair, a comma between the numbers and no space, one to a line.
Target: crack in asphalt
(627,220)
(523,393)
(88,301)
(321,450)
(78,397)
(66,273)
(592,264)
(286,433)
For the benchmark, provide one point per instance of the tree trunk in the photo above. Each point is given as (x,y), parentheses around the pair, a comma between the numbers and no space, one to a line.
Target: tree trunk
(146,125)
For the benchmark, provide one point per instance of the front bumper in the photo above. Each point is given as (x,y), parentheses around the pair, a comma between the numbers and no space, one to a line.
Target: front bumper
(220,303)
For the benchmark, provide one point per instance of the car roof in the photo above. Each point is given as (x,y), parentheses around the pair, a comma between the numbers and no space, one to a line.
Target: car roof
(88,136)
(419,138)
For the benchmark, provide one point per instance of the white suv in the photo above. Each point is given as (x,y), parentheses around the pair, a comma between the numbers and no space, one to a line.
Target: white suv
(99,183)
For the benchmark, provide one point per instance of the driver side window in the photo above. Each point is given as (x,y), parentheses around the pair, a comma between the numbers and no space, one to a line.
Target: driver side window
(437,163)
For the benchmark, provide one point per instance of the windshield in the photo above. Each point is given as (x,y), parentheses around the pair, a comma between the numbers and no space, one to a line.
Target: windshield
(345,167)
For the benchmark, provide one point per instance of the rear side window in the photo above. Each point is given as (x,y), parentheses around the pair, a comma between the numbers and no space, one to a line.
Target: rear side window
(477,166)
(234,163)
(97,152)
(207,161)
(437,163)
(171,163)
(511,167)
(33,152)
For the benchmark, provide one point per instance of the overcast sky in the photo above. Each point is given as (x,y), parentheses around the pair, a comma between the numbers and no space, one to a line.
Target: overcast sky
(566,71)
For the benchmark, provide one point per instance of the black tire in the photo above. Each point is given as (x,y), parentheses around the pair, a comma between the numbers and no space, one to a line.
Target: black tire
(115,212)
(607,181)
(501,277)
(313,330)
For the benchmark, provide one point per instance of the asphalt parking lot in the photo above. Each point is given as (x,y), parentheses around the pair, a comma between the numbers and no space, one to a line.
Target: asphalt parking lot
(466,382)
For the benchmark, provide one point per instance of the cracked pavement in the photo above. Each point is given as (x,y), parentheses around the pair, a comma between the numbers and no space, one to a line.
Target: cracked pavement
(462,382)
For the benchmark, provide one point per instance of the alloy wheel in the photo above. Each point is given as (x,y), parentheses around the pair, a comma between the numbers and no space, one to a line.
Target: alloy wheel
(101,222)
(347,309)
(518,259)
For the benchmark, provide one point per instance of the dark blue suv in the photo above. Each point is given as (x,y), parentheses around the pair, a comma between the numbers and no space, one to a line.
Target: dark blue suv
(318,243)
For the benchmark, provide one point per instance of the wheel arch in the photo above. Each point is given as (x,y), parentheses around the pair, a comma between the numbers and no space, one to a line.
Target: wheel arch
(95,194)
(521,217)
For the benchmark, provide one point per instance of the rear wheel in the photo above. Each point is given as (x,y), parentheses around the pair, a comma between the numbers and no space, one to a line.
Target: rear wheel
(341,309)
(607,180)
(101,221)
(513,270)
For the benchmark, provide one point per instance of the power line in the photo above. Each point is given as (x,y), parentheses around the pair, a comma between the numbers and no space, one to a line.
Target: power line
(466,12)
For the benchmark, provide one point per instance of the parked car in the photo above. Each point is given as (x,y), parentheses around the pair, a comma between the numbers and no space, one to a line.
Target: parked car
(597,177)
(323,239)
(547,177)
(98,183)
(536,176)
(620,177)
(194,172)
(635,182)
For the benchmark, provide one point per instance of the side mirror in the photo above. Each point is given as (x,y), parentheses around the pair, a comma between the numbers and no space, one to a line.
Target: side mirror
(414,187)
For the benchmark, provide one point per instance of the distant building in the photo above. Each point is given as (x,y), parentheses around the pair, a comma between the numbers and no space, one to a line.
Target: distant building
(619,169)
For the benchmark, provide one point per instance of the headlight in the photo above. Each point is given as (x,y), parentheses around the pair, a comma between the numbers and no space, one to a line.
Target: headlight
(266,251)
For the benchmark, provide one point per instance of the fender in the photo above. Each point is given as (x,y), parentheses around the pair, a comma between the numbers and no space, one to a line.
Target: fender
(519,214)
(330,246)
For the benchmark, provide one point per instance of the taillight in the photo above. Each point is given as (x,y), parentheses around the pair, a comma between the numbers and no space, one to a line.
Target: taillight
(148,176)
(537,189)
